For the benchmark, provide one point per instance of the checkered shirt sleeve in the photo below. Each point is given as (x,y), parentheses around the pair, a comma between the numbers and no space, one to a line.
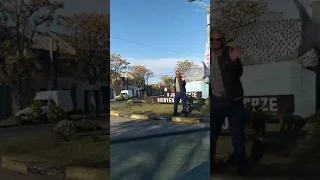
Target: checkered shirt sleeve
(217,86)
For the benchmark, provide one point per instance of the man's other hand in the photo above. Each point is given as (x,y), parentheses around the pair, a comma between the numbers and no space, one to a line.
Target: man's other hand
(235,53)
(183,78)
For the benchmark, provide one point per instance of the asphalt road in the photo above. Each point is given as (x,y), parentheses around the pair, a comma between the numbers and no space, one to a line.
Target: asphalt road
(7,175)
(127,128)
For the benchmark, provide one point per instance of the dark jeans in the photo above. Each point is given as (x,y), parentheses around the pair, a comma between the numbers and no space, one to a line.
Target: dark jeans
(177,97)
(236,116)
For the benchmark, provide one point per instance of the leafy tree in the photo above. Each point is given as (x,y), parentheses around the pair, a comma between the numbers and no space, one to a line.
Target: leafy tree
(117,66)
(148,75)
(156,86)
(3,21)
(139,73)
(167,81)
(183,66)
(22,20)
(90,34)
(231,14)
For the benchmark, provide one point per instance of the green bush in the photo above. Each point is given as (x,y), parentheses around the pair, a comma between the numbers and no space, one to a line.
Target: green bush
(87,125)
(126,97)
(66,129)
(35,111)
(130,102)
(148,100)
(56,114)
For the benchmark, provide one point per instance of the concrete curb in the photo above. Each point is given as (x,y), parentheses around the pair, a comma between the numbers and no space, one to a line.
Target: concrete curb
(80,173)
(186,120)
(190,120)
(15,164)
(139,116)
(12,164)
(114,113)
(9,125)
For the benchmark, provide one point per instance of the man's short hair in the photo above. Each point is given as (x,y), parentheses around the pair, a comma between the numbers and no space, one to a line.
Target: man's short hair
(218,30)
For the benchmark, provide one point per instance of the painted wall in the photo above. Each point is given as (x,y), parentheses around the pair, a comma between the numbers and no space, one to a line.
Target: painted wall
(198,86)
(136,91)
(81,86)
(283,78)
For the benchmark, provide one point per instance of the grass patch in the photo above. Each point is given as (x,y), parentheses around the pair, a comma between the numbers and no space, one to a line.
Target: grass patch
(86,151)
(152,109)
(8,122)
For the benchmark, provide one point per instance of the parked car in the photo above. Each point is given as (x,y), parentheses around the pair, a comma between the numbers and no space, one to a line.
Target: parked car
(61,98)
(122,95)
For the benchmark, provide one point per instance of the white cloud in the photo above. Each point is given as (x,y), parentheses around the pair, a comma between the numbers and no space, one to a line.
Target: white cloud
(200,4)
(162,66)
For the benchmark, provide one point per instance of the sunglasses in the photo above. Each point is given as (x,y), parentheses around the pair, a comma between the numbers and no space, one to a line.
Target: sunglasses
(216,39)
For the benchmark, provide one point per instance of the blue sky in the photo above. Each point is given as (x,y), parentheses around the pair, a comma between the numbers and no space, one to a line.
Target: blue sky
(78,6)
(176,30)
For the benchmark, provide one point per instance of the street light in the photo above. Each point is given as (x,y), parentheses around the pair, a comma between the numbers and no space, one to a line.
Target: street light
(208,21)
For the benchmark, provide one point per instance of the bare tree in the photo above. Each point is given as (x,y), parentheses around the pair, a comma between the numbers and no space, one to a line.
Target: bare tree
(90,34)
(22,20)
(117,66)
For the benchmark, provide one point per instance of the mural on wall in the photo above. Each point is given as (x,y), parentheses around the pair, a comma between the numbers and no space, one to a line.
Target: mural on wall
(194,74)
(279,40)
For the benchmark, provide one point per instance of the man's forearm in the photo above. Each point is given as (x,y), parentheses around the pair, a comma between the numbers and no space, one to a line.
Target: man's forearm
(183,83)
(236,68)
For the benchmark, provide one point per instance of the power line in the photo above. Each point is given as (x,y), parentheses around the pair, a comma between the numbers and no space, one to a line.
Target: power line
(141,44)
(164,73)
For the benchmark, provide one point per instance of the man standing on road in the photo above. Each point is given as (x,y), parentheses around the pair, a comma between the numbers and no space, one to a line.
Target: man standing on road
(180,93)
(227,98)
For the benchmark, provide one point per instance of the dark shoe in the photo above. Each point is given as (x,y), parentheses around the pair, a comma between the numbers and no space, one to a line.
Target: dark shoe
(244,171)
(218,168)
(186,115)
(175,114)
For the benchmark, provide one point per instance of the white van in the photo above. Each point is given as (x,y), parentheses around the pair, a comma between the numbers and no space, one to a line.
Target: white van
(122,93)
(60,98)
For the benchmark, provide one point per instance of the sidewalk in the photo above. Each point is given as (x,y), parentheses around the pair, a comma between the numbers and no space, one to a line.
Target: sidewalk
(10,122)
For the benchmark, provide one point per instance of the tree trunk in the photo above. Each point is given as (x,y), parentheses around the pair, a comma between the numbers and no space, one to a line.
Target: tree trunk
(114,93)
(15,102)
(93,104)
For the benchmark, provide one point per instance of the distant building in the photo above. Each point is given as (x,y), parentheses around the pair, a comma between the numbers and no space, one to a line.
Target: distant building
(68,77)
(194,78)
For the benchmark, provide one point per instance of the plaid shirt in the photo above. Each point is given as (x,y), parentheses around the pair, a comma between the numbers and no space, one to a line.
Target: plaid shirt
(217,86)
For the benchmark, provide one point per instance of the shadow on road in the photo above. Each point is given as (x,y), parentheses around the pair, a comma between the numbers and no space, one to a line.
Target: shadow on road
(159,158)
(139,128)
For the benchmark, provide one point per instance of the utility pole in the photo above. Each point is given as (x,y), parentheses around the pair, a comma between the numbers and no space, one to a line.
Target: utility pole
(208,23)
(52,85)
(208,26)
